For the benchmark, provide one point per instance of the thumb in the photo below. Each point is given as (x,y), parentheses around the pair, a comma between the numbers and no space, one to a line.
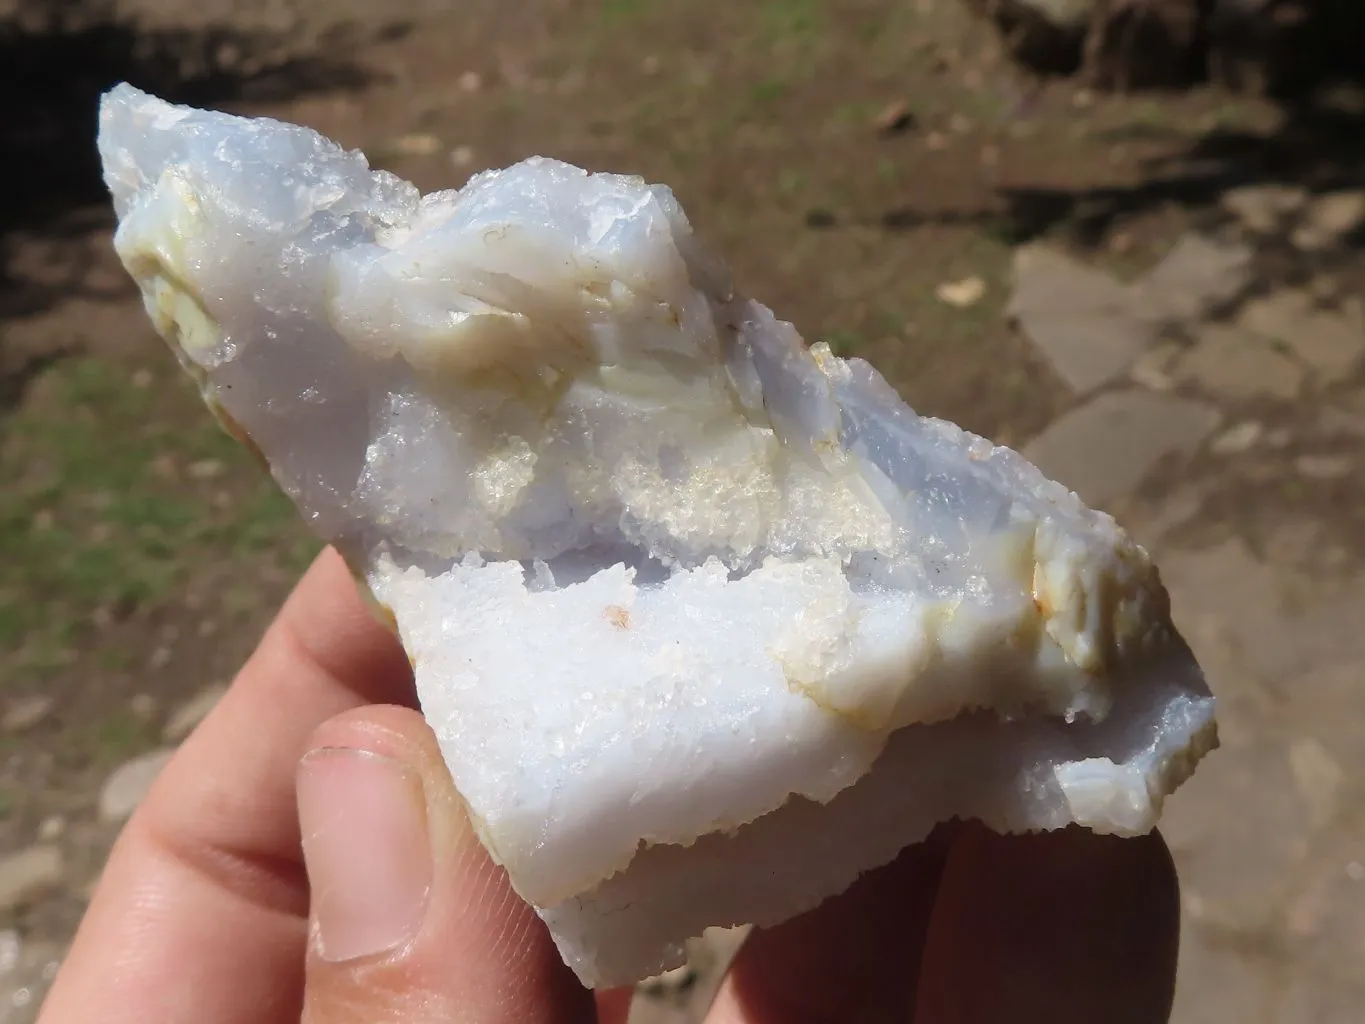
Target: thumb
(409,918)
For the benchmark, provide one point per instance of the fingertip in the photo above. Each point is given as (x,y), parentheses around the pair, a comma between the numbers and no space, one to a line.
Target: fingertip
(330,620)
(613,1005)
(855,957)
(1059,927)
(389,730)
(480,952)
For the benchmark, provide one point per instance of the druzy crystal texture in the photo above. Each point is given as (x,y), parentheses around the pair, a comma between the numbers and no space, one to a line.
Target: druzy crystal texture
(707,621)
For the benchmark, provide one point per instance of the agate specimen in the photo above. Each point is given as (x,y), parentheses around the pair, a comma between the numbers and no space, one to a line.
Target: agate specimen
(707,621)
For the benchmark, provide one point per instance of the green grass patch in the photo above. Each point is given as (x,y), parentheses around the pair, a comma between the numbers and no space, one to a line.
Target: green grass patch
(116,737)
(767,90)
(613,12)
(100,509)
(784,23)
(792,181)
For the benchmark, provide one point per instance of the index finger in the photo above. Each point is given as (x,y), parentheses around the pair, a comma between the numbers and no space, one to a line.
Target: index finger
(201,913)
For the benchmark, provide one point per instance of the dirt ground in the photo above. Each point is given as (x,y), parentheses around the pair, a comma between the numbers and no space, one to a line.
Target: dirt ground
(849,158)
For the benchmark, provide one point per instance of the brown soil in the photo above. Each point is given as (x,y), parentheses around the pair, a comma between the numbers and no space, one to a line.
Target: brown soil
(847,157)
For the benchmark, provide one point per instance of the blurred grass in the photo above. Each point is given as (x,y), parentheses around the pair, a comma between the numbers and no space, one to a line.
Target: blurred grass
(113,737)
(118,486)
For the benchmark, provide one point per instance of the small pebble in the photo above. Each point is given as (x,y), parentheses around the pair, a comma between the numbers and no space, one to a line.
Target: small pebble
(1238,439)
(894,118)
(961,294)
(126,786)
(416,144)
(1323,467)
(25,712)
(1194,905)
(28,874)
(11,945)
(205,469)
(184,719)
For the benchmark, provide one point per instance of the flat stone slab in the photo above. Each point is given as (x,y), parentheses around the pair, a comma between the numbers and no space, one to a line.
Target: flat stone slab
(1264,209)
(1195,278)
(1237,365)
(1105,448)
(1084,322)
(1329,220)
(1092,327)
(1268,838)
(1329,343)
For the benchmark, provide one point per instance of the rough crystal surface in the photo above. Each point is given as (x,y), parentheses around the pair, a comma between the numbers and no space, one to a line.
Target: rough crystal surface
(707,622)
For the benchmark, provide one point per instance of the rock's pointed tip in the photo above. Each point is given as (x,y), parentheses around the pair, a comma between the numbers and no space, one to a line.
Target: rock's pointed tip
(120,95)
(135,139)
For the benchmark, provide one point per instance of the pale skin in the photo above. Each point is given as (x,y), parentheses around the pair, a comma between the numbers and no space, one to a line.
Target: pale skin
(205,912)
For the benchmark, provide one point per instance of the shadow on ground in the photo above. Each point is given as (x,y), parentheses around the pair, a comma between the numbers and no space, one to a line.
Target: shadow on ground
(56,58)
(1318,146)
(1305,56)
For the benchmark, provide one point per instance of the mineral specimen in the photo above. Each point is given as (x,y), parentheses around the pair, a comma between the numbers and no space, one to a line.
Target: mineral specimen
(707,622)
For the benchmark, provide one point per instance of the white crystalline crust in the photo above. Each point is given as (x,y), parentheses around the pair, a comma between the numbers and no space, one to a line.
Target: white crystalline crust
(1027,775)
(700,617)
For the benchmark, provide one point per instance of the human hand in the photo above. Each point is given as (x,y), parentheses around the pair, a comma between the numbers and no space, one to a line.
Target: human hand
(217,908)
